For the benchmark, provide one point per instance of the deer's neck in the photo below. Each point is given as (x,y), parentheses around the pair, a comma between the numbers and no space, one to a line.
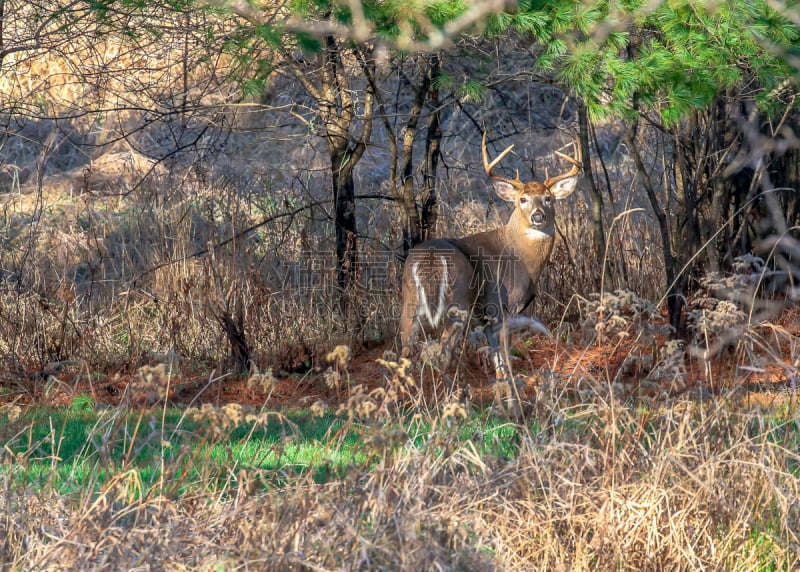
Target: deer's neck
(531,246)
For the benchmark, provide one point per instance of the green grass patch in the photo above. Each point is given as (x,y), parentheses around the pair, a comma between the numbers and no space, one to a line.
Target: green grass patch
(82,449)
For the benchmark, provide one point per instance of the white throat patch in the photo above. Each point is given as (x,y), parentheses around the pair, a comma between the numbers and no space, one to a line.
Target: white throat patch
(536,234)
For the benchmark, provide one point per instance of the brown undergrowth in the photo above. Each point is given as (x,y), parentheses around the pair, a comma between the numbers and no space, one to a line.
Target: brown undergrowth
(631,452)
(631,366)
(128,280)
(673,482)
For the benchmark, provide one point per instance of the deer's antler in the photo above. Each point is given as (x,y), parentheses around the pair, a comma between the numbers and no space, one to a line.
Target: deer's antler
(489,167)
(577,165)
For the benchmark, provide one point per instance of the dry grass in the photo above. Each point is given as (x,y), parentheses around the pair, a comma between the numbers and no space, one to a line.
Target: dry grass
(109,268)
(99,237)
(599,486)
(647,484)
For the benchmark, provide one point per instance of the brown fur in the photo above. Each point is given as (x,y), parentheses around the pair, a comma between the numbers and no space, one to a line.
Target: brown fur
(492,274)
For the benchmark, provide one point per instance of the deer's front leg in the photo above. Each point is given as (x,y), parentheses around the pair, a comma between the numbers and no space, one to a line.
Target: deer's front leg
(499,336)
(498,354)
(506,398)
(517,323)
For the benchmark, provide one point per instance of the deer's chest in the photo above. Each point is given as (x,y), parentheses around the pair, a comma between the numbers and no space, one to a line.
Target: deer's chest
(522,272)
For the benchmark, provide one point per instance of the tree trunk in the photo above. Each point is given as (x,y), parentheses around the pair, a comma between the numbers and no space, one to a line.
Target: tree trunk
(411,228)
(674,295)
(234,331)
(432,153)
(344,199)
(724,141)
(599,233)
(337,110)
(789,179)
(687,223)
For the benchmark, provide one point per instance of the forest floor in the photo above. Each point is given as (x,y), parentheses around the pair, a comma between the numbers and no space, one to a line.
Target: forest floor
(620,364)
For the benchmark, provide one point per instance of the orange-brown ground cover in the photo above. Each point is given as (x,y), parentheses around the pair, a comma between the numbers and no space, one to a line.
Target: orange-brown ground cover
(592,362)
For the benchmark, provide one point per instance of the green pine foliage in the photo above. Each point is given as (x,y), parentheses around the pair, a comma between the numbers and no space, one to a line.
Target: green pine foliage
(675,57)
(620,58)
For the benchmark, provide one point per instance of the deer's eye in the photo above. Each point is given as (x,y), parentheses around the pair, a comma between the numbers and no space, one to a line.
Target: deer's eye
(548,200)
(523,200)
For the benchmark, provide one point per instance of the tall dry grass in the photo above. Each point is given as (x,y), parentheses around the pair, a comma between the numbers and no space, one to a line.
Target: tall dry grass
(600,485)
(108,283)
(110,258)
(117,178)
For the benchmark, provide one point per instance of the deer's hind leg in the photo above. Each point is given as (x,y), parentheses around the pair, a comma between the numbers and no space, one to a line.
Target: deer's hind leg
(452,334)
(410,329)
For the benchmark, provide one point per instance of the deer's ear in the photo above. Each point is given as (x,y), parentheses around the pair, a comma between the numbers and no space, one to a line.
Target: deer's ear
(505,191)
(563,188)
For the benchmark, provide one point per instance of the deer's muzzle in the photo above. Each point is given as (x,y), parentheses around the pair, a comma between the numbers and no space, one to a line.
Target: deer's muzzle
(538,218)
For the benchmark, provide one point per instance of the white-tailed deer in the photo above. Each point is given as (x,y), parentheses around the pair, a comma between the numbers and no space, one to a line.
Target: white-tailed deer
(490,276)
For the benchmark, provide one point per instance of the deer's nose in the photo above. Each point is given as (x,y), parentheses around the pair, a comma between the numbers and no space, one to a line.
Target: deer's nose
(538,218)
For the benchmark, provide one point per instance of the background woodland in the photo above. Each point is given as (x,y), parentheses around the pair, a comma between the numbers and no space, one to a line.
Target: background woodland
(236,182)
(204,209)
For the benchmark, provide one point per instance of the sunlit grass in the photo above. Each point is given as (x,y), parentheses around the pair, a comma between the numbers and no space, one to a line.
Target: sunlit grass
(67,449)
(604,484)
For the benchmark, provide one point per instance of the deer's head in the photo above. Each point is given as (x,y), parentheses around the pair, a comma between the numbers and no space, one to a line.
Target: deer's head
(534,201)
